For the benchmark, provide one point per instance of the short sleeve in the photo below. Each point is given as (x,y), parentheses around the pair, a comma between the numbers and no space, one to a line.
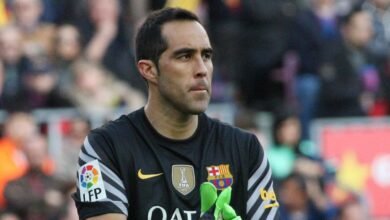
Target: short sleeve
(100,188)
(262,202)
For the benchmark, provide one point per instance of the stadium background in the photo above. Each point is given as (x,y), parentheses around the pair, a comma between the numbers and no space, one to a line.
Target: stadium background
(311,78)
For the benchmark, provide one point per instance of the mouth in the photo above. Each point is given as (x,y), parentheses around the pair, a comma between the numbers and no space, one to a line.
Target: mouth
(199,87)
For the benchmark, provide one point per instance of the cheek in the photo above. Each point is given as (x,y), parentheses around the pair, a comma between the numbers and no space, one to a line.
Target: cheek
(174,75)
(171,85)
(210,68)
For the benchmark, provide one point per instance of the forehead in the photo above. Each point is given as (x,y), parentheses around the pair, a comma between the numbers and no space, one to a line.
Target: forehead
(190,34)
(360,17)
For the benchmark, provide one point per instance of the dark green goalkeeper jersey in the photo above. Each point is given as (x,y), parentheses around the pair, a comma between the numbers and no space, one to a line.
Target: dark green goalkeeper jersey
(127,167)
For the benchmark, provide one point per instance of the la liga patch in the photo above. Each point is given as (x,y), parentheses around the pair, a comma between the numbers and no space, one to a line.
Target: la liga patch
(90,182)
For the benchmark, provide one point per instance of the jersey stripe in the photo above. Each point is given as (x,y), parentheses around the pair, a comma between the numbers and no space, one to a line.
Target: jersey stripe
(112,183)
(89,149)
(105,169)
(272,214)
(256,193)
(118,204)
(261,210)
(115,192)
(108,174)
(256,175)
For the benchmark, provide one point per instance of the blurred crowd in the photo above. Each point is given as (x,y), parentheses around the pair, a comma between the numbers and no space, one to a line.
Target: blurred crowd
(299,60)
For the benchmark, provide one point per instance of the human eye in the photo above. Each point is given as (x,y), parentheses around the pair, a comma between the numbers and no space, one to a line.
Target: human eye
(184,56)
(207,55)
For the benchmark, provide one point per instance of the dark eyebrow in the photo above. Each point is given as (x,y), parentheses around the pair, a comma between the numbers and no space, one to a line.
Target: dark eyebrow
(207,50)
(191,51)
(183,51)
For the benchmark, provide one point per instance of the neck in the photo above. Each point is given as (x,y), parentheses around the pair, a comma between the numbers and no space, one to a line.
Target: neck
(171,123)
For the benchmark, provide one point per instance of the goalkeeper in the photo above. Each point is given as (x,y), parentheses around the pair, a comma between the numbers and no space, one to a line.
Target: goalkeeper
(169,160)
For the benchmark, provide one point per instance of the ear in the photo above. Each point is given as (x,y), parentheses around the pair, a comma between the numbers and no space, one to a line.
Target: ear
(148,70)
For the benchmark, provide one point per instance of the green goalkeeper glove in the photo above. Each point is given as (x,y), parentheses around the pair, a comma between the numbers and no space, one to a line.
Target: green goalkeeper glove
(222,209)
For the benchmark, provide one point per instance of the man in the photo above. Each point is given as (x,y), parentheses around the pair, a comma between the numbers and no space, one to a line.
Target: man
(36,194)
(150,164)
(350,82)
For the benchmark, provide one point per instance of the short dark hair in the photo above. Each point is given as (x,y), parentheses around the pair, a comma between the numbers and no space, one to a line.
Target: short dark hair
(149,41)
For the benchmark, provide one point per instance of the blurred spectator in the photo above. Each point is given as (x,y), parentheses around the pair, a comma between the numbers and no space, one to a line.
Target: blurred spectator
(96,91)
(291,156)
(41,86)
(353,209)
(345,6)
(68,43)
(263,43)
(106,39)
(286,131)
(11,42)
(224,29)
(71,211)
(66,160)
(13,64)
(4,16)
(2,75)
(286,139)
(250,38)
(38,37)
(295,203)
(67,50)
(382,106)
(351,79)
(9,216)
(104,16)
(380,14)
(380,46)
(247,119)
(17,129)
(314,34)
(35,195)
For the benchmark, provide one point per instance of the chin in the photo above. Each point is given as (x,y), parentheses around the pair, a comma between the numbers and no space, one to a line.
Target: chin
(192,107)
(198,109)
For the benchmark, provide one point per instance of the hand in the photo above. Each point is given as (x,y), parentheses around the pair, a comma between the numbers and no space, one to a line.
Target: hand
(107,29)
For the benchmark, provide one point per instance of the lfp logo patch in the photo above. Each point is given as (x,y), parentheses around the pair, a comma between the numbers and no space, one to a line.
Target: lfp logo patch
(91,182)
(89,176)
(220,176)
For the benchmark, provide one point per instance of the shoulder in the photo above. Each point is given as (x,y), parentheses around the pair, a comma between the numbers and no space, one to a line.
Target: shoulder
(223,128)
(113,134)
(112,127)
(119,126)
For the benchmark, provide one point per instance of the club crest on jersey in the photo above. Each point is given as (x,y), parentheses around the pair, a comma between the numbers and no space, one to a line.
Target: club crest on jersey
(183,178)
(220,176)
(90,182)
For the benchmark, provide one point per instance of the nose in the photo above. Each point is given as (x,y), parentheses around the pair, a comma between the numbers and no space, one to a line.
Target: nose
(201,67)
